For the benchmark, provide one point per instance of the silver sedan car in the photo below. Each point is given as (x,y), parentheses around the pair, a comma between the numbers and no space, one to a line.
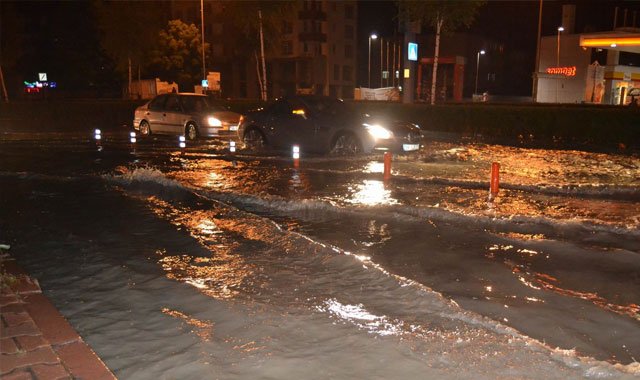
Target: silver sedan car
(191,115)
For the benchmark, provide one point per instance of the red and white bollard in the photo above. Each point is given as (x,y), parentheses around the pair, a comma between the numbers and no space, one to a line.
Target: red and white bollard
(387,165)
(494,186)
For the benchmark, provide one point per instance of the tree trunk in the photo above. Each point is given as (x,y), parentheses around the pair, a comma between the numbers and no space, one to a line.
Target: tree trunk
(258,72)
(435,60)
(264,66)
(4,88)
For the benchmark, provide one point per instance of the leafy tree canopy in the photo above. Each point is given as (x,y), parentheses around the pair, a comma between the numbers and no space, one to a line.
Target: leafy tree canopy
(178,57)
(453,14)
(129,30)
(244,16)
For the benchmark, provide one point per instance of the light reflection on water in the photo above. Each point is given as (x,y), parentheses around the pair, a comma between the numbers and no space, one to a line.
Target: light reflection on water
(521,263)
(224,274)
(370,193)
(204,329)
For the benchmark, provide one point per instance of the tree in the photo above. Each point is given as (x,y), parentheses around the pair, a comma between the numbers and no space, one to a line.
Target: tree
(444,16)
(261,22)
(178,57)
(129,31)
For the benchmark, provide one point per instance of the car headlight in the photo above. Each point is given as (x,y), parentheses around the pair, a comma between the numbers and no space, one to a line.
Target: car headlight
(213,122)
(378,131)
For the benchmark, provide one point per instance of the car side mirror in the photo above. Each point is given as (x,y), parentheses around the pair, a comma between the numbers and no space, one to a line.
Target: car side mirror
(300,113)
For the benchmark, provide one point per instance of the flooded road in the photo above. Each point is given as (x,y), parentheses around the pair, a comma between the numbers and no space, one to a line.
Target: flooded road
(199,263)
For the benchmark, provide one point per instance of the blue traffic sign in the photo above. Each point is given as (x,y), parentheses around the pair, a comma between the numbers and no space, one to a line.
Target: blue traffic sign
(413,51)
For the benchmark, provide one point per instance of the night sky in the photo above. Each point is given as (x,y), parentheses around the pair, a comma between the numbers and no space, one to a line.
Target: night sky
(65,35)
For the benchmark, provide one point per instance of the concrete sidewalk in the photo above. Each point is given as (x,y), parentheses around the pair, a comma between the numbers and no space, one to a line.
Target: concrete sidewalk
(36,341)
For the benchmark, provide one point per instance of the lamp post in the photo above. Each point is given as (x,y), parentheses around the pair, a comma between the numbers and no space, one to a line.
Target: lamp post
(560,29)
(478,69)
(204,70)
(373,36)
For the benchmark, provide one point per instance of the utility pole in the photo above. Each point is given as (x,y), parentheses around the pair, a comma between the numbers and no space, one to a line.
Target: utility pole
(264,66)
(204,68)
(534,93)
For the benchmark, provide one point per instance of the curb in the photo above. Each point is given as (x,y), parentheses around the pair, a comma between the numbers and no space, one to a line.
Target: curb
(36,341)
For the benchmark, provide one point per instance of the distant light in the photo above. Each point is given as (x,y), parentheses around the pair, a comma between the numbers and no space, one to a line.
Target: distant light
(182,142)
(614,45)
(373,36)
(560,29)
(182,138)
(232,146)
(132,134)
(133,139)
(97,132)
(482,51)
(296,152)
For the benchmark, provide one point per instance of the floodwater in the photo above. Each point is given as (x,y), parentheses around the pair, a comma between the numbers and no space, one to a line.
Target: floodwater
(200,263)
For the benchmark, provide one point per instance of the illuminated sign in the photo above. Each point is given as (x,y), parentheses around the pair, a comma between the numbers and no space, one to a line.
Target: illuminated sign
(569,71)
(413,51)
(205,83)
(42,77)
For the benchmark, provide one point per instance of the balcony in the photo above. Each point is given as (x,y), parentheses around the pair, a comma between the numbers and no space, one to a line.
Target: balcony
(312,14)
(312,37)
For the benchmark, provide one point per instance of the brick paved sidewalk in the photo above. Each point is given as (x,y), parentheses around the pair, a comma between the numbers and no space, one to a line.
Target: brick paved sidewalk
(36,341)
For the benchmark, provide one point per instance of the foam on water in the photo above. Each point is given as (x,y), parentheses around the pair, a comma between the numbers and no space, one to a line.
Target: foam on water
(432,316)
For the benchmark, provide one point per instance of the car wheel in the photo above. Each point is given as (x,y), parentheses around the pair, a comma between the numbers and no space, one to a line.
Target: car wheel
(191,132)
(346,145)
(145,130)
(254,139)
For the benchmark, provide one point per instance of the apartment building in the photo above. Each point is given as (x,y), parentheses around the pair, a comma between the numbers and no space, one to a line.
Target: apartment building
(315,52)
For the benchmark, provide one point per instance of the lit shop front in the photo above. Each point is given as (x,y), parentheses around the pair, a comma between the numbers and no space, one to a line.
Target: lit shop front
(586,68)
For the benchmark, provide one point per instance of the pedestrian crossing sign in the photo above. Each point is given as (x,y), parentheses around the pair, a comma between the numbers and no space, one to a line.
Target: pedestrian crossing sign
(413,51)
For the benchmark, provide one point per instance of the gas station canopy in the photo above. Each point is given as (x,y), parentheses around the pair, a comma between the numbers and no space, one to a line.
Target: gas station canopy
(618,40)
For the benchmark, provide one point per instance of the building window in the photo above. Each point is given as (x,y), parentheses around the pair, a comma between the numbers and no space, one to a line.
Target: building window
(218,50)
(336,72)
(217,28)
(346,72)
(192,14)
(348,51)
(348,11)
(287,47)
(348,32)
(287,27)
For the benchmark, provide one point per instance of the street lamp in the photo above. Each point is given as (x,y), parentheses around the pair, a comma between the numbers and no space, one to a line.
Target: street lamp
(560,29)
(373,36)
(478,68)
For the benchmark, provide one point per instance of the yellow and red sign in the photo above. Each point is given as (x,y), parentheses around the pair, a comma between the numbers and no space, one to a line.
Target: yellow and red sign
(569,71)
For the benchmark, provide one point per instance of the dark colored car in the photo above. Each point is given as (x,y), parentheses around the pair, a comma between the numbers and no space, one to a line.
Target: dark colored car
(324,125)
(191,115)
